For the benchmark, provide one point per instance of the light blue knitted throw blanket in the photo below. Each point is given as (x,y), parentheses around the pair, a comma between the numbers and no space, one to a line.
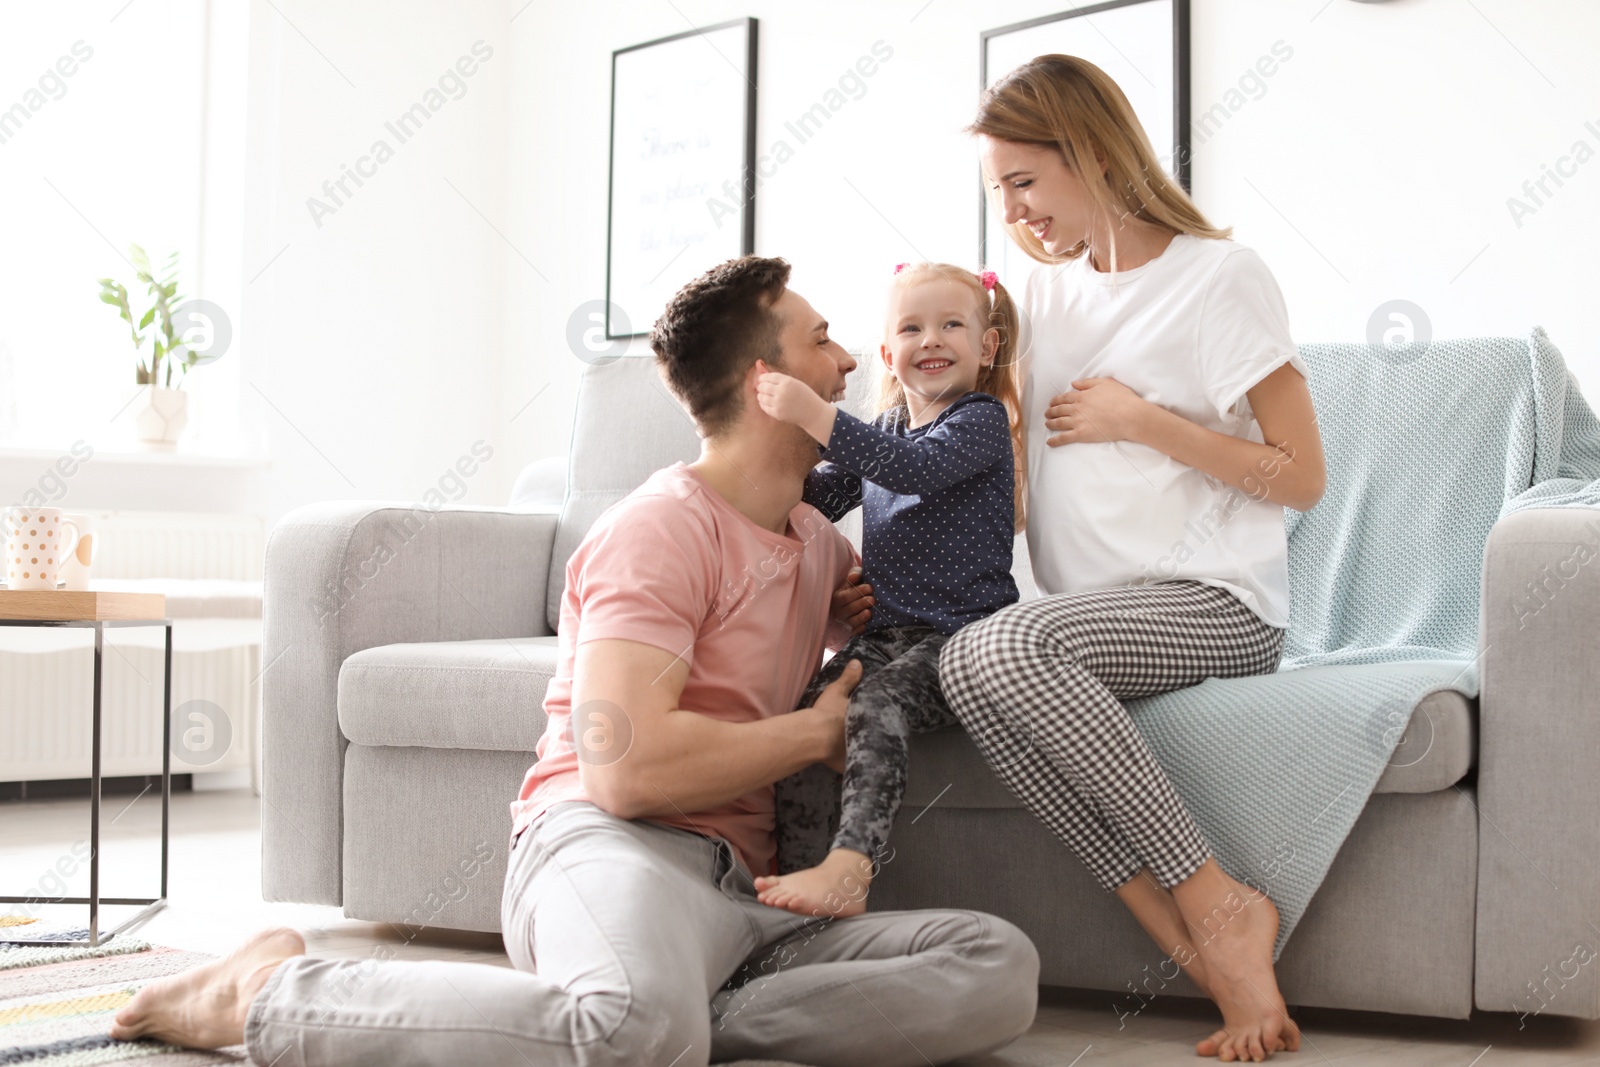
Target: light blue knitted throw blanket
(1424,455)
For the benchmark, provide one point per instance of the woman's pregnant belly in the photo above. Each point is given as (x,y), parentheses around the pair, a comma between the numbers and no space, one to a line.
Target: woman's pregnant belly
(1110,514)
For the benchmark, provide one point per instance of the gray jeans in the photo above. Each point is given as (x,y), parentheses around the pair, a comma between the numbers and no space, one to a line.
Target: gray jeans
(898,695)
(638,944)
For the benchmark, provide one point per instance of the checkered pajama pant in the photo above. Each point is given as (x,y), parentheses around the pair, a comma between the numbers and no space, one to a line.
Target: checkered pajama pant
(1039,687)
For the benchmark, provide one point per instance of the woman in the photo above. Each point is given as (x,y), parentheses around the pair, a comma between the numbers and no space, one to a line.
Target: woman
(1169,423)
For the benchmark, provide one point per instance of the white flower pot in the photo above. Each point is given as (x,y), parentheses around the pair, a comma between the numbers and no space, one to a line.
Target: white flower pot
(160,415)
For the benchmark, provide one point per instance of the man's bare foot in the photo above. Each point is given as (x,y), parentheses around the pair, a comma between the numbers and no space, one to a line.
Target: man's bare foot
(205,1006)
(1235,928)
(835,888)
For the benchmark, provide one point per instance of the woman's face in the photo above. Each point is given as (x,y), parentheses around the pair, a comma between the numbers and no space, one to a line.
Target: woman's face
(1035,186)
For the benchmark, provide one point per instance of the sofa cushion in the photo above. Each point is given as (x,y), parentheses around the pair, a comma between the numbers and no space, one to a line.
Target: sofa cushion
(1439,747)
(489,694)
(1436,751)
(486,694)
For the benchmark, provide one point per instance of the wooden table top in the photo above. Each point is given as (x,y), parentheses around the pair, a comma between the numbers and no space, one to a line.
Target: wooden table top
(61,605)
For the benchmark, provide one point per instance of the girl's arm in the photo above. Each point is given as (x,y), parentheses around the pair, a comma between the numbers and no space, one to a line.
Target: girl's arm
(969,439)
(1287,469)
(832,490)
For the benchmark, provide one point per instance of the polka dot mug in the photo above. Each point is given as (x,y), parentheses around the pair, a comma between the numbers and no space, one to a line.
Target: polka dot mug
(37,545)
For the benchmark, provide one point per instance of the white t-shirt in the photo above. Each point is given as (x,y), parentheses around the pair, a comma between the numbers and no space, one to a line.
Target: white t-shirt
(1192,331)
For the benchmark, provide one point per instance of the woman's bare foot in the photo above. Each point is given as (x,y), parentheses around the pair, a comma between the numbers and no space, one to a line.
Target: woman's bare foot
(1235,928)
(205,1006)
(835,888)
(1158,913)
(1161,918)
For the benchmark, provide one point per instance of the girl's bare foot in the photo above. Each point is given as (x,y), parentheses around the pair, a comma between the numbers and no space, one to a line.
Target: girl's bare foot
(1234,929)
(205,1006)
(835,888)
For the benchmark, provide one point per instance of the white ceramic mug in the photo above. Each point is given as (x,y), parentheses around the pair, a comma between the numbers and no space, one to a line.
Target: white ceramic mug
(36,546)
(75,568)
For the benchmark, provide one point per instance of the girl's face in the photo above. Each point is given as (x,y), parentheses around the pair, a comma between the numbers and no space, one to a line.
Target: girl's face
(939,341)
(1035,186)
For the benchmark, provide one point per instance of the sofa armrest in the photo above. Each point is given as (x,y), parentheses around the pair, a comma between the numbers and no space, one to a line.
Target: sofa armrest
(345,576)
(1538,782)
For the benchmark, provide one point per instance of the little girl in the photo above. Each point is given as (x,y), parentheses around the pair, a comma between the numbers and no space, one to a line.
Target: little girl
(938,477)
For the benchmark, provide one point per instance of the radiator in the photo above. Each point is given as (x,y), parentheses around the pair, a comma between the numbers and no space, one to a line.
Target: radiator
(47,699)
(159,544)
(46,673)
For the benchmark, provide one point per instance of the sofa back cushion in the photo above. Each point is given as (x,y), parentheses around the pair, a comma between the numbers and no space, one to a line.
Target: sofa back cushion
(627,427)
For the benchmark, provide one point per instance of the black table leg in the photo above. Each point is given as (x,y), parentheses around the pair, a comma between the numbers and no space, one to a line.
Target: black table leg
(94,795)
(166,757)
(94,899)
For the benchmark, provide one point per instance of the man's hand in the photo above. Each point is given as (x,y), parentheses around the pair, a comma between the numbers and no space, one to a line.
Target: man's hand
(831,706)
(852,603)
(790,400)
(641,755)
(1096,409)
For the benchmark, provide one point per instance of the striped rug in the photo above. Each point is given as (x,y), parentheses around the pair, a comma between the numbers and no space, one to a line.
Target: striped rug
(56,1004)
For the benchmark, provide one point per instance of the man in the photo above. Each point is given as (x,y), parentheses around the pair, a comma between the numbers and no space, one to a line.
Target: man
(694,613)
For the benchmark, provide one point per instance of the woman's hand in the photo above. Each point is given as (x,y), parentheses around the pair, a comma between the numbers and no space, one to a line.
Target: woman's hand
(793,401)
(1095,409)
(1286,467)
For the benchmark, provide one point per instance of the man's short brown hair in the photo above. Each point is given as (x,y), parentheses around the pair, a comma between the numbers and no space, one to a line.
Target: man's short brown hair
(714,330)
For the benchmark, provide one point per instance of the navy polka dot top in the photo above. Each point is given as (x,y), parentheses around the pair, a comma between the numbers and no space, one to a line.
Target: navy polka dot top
(937,526)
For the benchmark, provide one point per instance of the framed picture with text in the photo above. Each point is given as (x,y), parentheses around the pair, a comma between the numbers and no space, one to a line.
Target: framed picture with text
(1142,44)
(681,192)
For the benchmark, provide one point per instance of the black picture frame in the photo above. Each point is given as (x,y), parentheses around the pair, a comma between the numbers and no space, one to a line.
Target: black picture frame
(1182,151)
(746,181)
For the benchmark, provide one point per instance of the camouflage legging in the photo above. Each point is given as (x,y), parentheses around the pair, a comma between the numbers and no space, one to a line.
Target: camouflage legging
(898,694)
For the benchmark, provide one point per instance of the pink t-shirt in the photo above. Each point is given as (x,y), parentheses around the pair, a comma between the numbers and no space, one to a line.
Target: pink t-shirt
(674,565)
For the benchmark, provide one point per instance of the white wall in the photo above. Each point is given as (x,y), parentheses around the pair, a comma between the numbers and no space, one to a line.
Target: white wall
(1374,164)
(368,348)
(374,358)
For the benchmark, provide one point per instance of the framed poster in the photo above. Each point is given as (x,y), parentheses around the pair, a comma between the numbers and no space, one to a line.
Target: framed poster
(1142,44)
(681,195)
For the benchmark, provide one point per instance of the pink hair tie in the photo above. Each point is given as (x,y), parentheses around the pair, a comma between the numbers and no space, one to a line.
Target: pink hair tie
(989,279)
(898,267)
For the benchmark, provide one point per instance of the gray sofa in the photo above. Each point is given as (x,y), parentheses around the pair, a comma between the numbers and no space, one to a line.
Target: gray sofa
(408,651)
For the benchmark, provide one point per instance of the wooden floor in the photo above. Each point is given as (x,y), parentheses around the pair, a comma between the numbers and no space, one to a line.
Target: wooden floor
(215,879)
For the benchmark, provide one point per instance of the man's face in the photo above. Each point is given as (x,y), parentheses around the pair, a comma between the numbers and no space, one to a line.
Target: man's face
(809,354)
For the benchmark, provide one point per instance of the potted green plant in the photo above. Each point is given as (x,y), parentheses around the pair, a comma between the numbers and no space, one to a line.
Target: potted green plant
(162,411)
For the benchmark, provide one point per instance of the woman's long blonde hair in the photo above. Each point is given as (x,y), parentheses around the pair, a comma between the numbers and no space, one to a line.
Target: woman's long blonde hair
(999,379)
(1073,106)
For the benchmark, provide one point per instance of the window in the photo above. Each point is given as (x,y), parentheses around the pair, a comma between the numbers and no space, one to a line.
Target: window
(122,126)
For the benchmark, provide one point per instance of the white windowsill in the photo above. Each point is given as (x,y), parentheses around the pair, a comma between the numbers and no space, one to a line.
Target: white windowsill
(154,459)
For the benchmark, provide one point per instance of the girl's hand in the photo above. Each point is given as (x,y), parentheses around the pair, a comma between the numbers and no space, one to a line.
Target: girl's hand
(787,399)
(793,401)
(1095,409)
(852,603)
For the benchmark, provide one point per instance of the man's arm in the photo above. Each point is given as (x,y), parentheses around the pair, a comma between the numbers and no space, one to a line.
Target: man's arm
(676,761)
